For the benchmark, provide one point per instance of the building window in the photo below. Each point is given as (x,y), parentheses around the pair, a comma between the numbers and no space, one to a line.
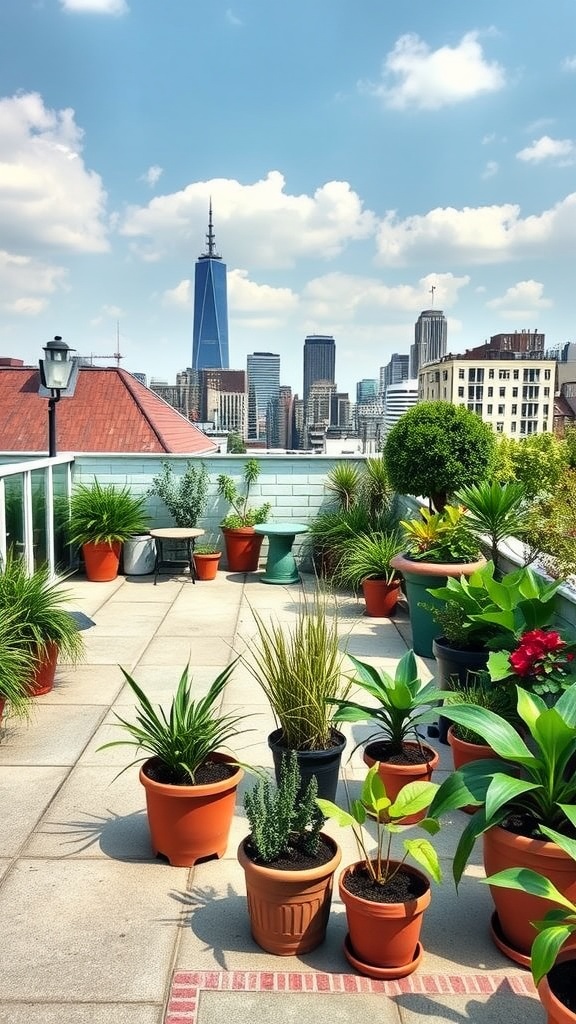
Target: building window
(444,374)
(444,390)
(514,392)
(546,392)
(531,391)
(531,375)
(490,392)
(547,374)
(460,392)
(545,426)
(476,374)
(514,410)
(489,410)
(499,427)
(503,374)
(516,374)
(491,373)
(513,427)
(502,392)
(460,374)
(475,393)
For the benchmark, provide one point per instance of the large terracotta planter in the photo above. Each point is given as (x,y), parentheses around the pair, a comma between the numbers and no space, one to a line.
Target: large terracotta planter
(289,910)
(380,597)
(516,910)
(383,938)
(42,680)
(556,1012)
(188,823)
(242,548)
(206,565)
(418,576)
(396,776)
(101,561)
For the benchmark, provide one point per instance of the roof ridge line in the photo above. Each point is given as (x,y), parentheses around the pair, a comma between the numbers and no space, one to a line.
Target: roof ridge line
(128,383)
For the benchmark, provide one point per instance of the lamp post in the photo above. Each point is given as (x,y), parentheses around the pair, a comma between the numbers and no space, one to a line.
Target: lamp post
(55,370)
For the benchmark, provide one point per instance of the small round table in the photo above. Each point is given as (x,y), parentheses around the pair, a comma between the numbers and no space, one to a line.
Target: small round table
(280,564)
(179,535)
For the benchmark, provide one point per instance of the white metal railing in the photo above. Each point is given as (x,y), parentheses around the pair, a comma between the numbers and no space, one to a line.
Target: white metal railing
(25,471)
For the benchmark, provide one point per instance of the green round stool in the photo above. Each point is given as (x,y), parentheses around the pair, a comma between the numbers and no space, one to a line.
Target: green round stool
(280,564)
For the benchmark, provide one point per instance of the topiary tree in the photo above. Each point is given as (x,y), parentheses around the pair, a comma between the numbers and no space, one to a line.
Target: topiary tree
(437,447)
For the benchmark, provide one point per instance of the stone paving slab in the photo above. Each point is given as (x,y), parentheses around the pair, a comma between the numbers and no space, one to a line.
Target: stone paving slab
(84,684)
(24,797)
(177,650)
(81,1013)
(33,743)
(119,650)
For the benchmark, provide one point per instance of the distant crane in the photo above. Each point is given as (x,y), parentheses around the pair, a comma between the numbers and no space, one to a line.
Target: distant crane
(115,355)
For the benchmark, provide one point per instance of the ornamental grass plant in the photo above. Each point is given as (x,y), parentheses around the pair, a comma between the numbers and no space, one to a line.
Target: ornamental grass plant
(105,514)
(367,556)
(17,663)
(38,604)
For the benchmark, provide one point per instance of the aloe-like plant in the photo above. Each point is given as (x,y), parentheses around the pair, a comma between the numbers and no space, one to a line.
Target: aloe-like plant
(402,702)
(375,804)
(530,781)
(104,514)
(185,496)
(183,739)
(38,603)
(559,924)
(283,821)
(242,514)
(367,556)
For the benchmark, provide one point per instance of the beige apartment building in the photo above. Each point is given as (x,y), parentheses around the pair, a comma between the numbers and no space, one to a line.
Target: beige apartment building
(507,382)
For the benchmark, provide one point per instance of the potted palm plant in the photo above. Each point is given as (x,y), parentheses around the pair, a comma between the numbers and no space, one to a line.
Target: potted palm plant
(190,784)
(17,665)
(288,862)
(365,563)
(386,898)
(43,623)
(525,791)
(300,668)
(242,543)
(401,705)
(101,518)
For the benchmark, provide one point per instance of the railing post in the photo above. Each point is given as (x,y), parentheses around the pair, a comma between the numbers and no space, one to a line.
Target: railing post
(28,522)
(3,545)
(48,485)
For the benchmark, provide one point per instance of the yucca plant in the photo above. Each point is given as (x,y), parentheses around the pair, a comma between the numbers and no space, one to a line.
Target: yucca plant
(37,602)
(495,510)
(184,738)
(17,664)
(299,668)
(105,514)
(344,482)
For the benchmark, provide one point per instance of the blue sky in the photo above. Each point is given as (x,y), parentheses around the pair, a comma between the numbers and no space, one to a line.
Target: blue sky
(357,152)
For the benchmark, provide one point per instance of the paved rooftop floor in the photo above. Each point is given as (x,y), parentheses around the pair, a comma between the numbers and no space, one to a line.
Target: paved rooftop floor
(94,929)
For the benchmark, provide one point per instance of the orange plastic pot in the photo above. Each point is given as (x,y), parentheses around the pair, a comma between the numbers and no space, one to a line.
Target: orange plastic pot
(101,561)
(380,597)
(289,910)
(516,910)
(43,676)
(242,548)
(188,823)
(384,935)
(206,566)
(557,1012)
(463,753)
(396,776)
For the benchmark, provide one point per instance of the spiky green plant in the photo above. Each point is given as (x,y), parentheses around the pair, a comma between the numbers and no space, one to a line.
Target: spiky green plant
(495,510)
(280,821)
(185,496)
(184,738)
(344,481)
(38,603)
(367,556)
(105,514)
(17,664)
(242,514)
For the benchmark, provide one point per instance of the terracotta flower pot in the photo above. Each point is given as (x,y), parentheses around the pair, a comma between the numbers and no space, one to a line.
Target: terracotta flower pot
(188,823)
(206,565)
(383,937)
(2,705)
(396,776)
(557,1012)
(463,753)
(101,561)
(242,548)
(289,910)
(43,676)
(516,910)
(380,597)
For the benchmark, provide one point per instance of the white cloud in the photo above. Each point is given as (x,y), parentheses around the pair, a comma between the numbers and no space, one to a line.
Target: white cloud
(26,283)
(569,64)
(256,225)
(246,296)
(545,148)
(490,169)
(180,297)
(413,75)
(95,6)
(520,300)
(48,198)
(484,234)
(152,175)
(347,296)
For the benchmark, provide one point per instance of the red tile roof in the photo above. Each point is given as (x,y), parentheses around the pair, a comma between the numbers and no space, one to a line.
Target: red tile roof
(110,411)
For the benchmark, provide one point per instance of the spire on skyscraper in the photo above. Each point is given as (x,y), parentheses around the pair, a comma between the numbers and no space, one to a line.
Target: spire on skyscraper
(211,254)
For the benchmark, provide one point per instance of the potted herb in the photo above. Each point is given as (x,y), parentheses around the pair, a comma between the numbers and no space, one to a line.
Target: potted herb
(401,705)
(190,784)
(526,791)
(242,543)
(289,864)
(101,518)
(365,563)
(386,898)
(17,664)
(43,623)
(206,559)
(300,668)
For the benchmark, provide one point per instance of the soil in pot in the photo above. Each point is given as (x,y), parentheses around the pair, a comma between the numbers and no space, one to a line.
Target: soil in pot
(399,889)
(562,984)
(415,762)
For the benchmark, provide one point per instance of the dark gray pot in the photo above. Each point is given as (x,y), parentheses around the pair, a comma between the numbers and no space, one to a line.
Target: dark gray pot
(324,764)
(453,668)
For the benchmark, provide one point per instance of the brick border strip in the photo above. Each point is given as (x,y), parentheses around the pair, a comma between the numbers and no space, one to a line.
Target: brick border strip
(186,986)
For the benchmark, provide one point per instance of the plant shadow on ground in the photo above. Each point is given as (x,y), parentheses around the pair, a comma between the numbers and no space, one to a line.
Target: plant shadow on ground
(123,837)
(503,1004)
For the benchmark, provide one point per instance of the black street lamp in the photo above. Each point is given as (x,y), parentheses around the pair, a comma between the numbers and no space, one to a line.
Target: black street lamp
(55,372)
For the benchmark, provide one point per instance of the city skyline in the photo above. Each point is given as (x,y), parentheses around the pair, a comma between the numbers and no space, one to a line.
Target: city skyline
(419,151)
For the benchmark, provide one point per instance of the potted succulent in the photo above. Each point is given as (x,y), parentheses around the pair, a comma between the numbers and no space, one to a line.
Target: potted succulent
(42,622)
(401,704)
(206,559)
(525,791)
(300,668)
(17,664)
(242,543)
(190,784)
(365,562)
(386,898)
(289,864)
(553,952)
(101,518)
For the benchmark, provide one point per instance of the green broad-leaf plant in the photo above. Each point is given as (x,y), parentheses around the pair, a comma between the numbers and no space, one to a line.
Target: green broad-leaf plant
(531,781)
(376,805)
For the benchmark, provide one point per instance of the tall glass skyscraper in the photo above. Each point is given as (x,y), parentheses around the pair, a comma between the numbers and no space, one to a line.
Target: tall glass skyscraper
(263,380)
(210,332)
(319,361)
(430,340)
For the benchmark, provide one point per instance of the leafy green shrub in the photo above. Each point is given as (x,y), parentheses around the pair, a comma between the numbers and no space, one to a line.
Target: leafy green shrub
(185,497)
(281,821)
(551,528)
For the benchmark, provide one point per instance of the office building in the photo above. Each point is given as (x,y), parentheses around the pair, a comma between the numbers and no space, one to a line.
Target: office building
(395,371)
(223,400)
(430,340)
(263,383)
(398,399)
(210,329)
(319,361)
(366,391)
